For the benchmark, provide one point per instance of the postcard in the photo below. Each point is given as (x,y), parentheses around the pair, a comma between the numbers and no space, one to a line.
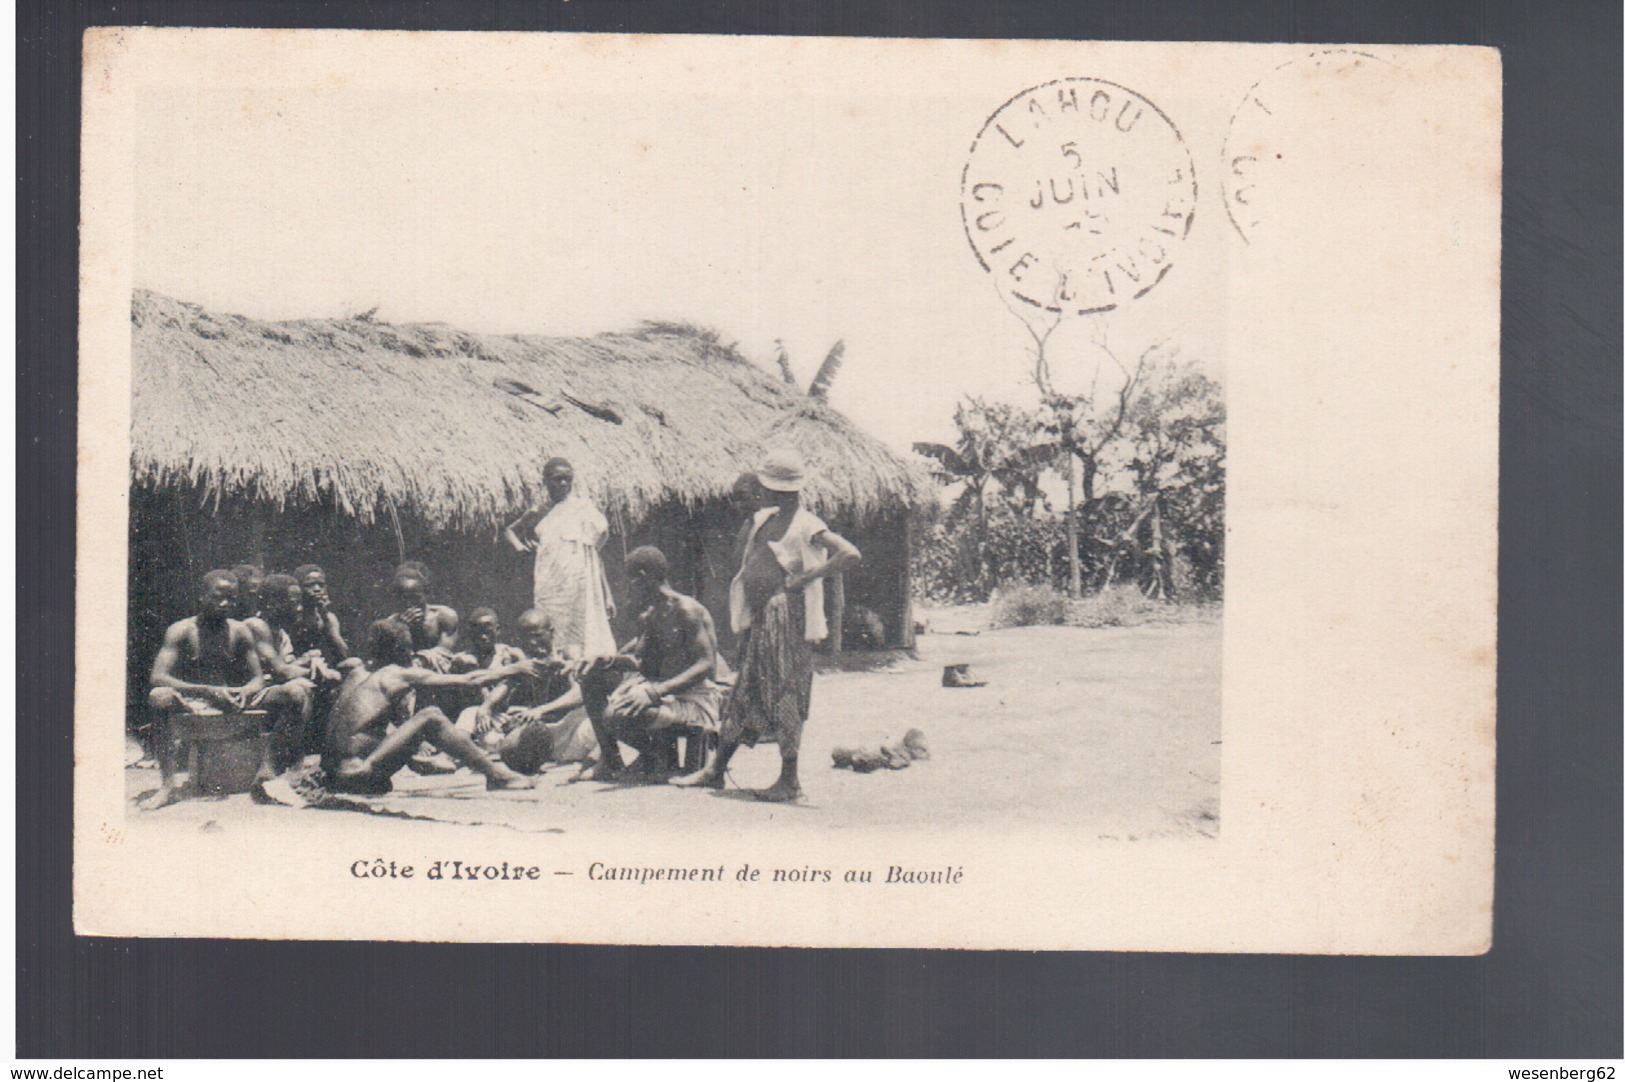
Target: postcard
(788,491)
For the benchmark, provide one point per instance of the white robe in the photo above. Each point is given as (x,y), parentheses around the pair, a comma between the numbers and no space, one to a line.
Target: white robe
(569,582)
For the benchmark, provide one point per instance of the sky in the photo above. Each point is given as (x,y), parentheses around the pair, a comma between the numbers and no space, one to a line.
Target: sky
(779,197)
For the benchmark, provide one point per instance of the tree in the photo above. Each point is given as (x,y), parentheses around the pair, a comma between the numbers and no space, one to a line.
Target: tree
(997,443)
(1083,427)
(1153,422)
(1173,448)
(1174,426)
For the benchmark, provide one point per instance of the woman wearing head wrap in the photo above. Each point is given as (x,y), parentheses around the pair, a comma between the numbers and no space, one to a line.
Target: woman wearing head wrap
(569,585)
(776,607)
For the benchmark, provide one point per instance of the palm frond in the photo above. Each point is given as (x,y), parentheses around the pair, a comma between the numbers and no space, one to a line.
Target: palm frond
(783,358)
(948,461)
(819,388)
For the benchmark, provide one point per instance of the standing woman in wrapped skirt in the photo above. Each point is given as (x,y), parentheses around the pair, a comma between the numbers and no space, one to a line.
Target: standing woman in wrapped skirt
(776,607)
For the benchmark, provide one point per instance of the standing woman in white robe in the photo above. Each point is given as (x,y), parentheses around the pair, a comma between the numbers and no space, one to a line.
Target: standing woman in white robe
(570,586)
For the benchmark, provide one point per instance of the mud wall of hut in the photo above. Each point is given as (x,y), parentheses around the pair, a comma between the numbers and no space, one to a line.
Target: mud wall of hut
(177,534)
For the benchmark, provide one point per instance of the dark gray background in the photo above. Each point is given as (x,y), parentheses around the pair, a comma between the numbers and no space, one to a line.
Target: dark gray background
(1550,987)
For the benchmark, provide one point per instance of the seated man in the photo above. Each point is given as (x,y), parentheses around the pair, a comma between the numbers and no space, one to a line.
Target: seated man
(276,658)
(282,599)
(361,754)
(282,602)
(207,665)
(416,627)
(535,717)
(250,580)
(250,601)
(317,629)
(671,690)
(480,650)
(420,635)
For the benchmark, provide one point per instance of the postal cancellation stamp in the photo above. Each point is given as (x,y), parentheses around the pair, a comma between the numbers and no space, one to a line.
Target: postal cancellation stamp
(1079,193)
(1271,133)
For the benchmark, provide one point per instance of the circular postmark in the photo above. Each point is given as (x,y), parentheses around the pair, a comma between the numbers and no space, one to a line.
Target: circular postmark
(1313,102)
(1077,194)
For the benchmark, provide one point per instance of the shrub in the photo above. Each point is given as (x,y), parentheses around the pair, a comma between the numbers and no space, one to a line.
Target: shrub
(955,564)
(945,565)
(1119,605)
(1020,605)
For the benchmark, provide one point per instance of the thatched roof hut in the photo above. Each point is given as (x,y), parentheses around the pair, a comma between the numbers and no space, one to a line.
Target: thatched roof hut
(454,427)
(355,444)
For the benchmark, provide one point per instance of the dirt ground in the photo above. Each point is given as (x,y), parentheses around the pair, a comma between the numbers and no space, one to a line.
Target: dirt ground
(1114,731)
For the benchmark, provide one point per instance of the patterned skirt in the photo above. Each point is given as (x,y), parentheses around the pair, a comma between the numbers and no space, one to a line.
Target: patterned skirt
(773,691)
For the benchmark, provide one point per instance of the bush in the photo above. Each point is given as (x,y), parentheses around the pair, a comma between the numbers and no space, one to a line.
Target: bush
(1119,605)
(955,562)
(1021,605)
(944,566)
(952,565)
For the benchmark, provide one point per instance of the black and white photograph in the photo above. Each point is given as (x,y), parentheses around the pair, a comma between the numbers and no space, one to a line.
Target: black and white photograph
(787,492)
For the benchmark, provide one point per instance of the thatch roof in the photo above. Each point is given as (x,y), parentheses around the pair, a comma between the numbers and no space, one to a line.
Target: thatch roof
(455,426)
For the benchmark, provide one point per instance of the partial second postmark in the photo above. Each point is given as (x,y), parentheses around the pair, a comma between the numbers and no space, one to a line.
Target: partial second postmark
(1281,121)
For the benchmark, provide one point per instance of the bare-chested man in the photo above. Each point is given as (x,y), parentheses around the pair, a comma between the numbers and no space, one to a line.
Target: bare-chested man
(536,717)
(250,605)
(318,626)
(282,602)
(294,685)
(481,648)
(281,609)
(250,580)
(416,626)
(672,691)
(207,665)
(362,753)
(421,635)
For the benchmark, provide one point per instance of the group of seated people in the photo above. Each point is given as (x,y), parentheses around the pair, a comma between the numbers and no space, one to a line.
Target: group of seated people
(428,691)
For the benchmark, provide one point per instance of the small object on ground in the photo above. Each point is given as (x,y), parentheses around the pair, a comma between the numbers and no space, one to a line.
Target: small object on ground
(959,676)
(895,756)
(133,752)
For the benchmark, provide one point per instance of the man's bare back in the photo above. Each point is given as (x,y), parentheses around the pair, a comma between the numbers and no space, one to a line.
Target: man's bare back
(361,755)
(367,700)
